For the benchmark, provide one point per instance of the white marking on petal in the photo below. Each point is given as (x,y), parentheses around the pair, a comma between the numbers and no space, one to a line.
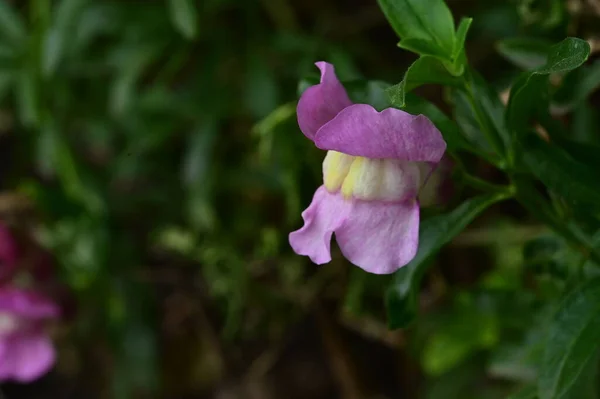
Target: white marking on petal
(371,179)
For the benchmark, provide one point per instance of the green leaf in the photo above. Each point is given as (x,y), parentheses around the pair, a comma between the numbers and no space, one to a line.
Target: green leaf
(69,172)
(525,52)
(459,58)
(480,113)
(461,36)
(529,392)
(466,118)
(560,171)
(529,94)
(528,98)
(489,101)
(196,175)
(425,70)
(434,233)
(11,24)
(184,17)
(572,344)
(421,19)
(566,55)
(59,37)
(27,96)
(131,65)
(423,47)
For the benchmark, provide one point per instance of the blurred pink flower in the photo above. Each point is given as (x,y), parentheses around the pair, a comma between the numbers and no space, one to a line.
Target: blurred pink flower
(375,167)
(26,351)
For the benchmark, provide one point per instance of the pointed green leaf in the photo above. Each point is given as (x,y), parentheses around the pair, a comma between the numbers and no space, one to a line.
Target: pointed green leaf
(530,93)
(459,58)
(425,70)
(26,92)
(59,37)
(572,345)
(480,113)
(461,36)
(421,19)
(567,55)
(184,16)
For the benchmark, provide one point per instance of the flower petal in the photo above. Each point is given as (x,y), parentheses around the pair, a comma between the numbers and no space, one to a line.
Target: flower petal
(324,215)
(26,357)
(321,103)
(362,131)
(27,304)
(380,237)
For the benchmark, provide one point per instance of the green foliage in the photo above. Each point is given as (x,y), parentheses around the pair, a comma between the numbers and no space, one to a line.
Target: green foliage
(567,168)
(572,347)
(529,95)
(577,86)
(184,17)
(430,21)
(425,70)
(402,295)
(525,393)
(567,174)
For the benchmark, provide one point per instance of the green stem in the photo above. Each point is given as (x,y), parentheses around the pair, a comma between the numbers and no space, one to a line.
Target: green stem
(483,185)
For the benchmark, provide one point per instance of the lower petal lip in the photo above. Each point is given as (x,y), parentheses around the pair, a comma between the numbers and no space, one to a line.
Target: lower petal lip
(380,237)
(377,236)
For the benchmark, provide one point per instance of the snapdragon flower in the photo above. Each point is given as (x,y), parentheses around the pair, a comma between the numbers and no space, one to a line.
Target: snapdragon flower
(376,164)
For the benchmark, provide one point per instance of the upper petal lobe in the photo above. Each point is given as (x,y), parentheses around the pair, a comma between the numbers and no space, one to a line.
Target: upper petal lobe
(321,103)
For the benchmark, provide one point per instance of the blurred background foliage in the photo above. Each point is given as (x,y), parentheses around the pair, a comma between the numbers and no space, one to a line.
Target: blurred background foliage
(158,145)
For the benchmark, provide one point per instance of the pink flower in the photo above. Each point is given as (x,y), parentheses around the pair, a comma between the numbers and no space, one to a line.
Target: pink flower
(26,351)
(375,167)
